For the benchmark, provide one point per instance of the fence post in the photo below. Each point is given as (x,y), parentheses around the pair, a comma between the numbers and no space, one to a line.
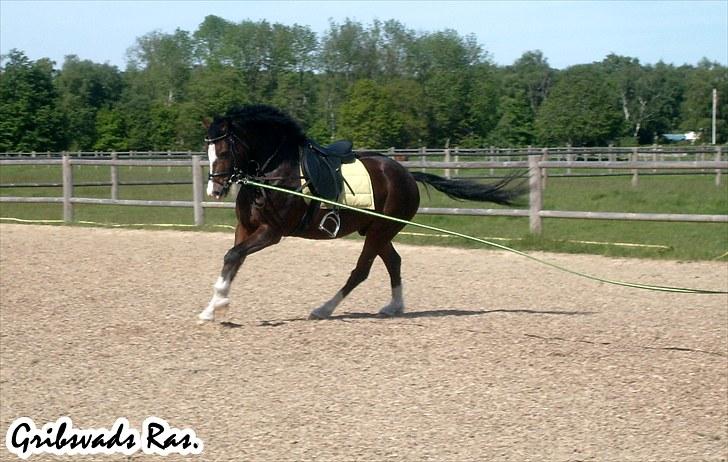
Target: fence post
(447,159)
(610,156)
(535,197)
(423,157)
(635,174)
(717,170)
(544,171)
(569,157)
(457,159)
(114,176)
(67,188)
(199,212)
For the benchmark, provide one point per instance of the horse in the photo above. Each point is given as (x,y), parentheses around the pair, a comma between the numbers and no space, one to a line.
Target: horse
(263,143)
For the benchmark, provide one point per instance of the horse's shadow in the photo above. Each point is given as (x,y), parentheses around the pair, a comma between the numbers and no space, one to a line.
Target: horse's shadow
(438,313)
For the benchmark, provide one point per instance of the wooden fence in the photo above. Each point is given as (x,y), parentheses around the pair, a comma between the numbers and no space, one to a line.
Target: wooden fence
(537,163)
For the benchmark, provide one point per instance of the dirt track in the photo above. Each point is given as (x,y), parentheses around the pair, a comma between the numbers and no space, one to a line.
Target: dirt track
(497,358)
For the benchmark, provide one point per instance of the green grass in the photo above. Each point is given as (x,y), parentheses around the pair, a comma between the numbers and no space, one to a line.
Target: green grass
(695,194)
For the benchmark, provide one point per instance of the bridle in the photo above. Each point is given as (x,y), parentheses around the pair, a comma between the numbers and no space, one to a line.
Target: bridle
(236,174)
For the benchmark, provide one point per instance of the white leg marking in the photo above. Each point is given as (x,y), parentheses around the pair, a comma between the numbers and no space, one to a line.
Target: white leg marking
(396,306)
(219,301)
(325,310)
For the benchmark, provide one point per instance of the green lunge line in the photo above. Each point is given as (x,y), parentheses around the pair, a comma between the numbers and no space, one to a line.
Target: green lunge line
(249,182)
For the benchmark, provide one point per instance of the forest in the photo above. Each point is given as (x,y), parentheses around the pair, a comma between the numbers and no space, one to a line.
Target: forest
(381,85)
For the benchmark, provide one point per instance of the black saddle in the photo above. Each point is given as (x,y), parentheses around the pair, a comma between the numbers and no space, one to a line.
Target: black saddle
(322,167)
(340,149)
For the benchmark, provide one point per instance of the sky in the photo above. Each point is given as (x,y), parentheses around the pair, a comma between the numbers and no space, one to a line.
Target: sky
(567,32)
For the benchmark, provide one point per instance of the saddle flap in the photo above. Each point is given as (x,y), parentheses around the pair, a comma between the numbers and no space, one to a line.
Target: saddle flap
(323,174)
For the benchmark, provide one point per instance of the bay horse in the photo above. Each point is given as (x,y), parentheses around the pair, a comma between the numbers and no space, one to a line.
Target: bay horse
(263,143)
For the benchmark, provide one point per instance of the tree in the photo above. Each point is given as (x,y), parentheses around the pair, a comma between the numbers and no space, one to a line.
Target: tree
(532,74)
(524,86)
(347,53)
(659,94)
(446,94)
(696,109)
(582,109)
(84,88)
(395,50)
(515,125)
(408,112)
(380,83)
(482,103)
(29,116)
(111,132)
(209,41)
(349,50)
(381,116)
(165,62)
(296,94)
(443,63)
(649,96)
(445,51)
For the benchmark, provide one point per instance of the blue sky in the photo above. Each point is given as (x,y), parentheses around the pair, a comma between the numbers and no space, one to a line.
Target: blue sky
(568,32)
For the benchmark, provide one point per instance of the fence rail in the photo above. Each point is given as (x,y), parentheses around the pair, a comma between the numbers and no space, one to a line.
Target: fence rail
(562,152)
(537,164)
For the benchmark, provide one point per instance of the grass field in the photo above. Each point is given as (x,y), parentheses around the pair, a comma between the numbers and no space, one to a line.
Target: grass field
(695,194)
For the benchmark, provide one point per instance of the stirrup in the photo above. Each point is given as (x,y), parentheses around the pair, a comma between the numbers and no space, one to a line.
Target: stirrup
(334,217)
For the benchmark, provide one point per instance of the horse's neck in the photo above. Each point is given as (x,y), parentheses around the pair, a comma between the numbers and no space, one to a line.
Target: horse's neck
(273,155)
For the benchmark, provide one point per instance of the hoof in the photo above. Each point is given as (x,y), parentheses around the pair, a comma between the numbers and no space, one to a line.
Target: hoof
(317,315)
(218,316)
(391,310)
(204,318)
(324,311)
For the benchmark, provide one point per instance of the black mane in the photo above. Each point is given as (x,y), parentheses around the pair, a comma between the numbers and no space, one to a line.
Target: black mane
(265,130)
(263,118)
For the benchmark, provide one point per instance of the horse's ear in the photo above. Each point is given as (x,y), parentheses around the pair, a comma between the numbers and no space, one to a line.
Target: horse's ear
(206,122)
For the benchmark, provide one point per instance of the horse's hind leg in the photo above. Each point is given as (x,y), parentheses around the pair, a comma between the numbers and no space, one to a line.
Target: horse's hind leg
(393,262)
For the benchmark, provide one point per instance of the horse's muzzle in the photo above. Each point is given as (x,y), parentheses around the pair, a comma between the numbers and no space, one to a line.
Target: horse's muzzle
(217,190)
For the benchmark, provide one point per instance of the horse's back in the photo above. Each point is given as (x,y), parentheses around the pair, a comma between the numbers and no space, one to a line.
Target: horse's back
(395,190)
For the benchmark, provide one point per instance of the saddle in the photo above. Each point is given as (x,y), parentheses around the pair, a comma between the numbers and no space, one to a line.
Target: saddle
(321,166)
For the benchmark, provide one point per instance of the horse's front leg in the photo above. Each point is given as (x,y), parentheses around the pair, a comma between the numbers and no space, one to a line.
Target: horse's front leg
(245,245)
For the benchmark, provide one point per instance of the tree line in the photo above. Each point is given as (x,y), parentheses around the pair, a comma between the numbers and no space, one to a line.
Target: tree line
(380,85)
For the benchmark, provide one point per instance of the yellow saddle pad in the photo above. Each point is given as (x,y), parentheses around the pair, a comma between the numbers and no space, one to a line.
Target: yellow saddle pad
(357,176)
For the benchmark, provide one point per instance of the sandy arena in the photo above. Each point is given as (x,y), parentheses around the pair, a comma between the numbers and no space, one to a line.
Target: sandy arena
(497,358)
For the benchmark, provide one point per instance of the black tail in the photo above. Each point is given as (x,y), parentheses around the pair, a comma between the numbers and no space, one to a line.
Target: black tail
(503,192)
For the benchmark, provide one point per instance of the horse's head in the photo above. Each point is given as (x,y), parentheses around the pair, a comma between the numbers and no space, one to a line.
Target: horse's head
(249,140)
(223,152)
